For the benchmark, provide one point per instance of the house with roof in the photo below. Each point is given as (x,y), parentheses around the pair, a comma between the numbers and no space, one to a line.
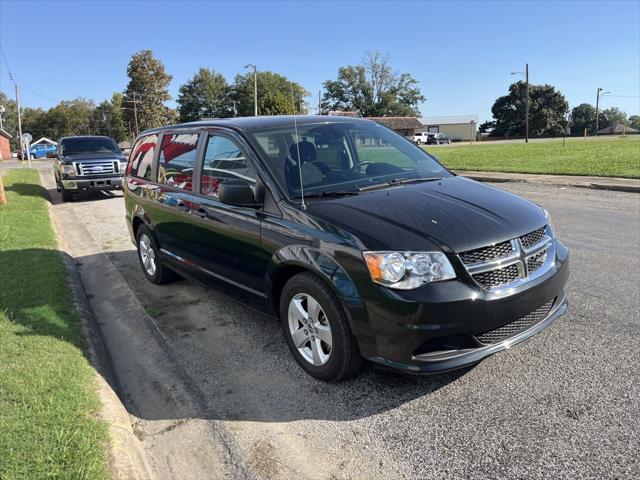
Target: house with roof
(5,148)
(458,127)
(405,126)
(617,129)
(43,141)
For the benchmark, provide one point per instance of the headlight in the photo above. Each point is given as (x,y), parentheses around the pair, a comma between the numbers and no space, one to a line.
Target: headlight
(549,222)
(123,167)
(68,170)
(408,270)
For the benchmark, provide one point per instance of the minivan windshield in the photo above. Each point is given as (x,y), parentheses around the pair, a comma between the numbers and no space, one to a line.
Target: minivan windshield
(342,157)
(89,146)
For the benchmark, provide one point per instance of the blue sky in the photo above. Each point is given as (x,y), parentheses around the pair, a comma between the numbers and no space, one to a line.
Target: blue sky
(461,52)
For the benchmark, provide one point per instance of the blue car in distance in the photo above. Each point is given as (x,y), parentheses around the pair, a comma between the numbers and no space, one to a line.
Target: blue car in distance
(39,151)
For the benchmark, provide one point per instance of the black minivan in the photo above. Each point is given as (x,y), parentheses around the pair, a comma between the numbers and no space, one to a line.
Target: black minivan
(359,241)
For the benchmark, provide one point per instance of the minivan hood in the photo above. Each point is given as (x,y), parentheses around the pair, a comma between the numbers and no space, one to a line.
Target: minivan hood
(454,214)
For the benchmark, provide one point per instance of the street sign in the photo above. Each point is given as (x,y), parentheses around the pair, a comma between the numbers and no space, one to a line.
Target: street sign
(27,138)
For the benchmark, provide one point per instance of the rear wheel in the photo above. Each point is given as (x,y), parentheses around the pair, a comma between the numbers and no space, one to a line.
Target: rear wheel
(148,254)
(317,331)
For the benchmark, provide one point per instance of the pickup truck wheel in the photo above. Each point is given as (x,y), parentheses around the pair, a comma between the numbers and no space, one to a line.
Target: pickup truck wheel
(67,196)
(316,329)
(148,254)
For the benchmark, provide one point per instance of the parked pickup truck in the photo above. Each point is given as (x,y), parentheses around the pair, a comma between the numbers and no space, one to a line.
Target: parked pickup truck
(87,163)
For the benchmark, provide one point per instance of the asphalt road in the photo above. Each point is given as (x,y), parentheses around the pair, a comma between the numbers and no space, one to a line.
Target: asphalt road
(565,404)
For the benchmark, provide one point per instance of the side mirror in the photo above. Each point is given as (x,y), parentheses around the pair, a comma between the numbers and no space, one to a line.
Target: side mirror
(239,193)
(52,155)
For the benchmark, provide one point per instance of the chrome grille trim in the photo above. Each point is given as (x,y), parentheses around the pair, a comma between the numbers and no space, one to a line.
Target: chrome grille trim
(510,329)
(106,167)
(521,265)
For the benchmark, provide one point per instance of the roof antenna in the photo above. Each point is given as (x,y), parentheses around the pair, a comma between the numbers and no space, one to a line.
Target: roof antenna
(295,128)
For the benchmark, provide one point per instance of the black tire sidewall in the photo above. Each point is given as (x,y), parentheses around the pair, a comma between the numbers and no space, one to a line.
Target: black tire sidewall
(340,332)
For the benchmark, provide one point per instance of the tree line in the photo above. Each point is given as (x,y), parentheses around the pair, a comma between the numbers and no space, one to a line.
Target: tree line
(371,88)
(549,114)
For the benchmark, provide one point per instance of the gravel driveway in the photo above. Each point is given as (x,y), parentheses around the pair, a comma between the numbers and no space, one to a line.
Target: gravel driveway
(565,404)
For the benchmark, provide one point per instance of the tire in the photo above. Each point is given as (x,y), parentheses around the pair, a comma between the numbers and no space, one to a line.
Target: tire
(148,255)
(342,360)
(67,196)
(418,142)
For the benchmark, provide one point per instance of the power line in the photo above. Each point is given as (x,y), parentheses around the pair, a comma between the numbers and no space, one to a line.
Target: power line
(4,57)
(39,94)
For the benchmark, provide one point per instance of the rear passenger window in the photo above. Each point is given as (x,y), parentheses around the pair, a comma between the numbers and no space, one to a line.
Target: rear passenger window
(177,160)
(141,160)
(224,160)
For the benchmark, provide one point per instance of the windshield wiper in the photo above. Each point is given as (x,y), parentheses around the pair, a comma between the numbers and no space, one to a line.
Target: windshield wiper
(337,193)
(400,181)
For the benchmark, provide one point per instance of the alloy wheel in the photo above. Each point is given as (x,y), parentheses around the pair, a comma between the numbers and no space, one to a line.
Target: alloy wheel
(309,329)
(147,254)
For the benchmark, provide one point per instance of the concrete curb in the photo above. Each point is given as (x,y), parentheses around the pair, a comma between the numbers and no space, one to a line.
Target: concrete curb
(605,183)
(127,457)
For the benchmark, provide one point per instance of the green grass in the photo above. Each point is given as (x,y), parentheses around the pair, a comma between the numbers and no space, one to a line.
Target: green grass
(48,402)
(618,157)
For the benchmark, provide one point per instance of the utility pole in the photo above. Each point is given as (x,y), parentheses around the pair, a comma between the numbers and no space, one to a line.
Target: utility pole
(526,101)
(135,113)
(526,115)
(22,149)
(319,102)
(598,95)
(255,88)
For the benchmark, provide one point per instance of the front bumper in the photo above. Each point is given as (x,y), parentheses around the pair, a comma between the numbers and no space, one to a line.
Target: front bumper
(79,183)
(439,362)
(437,328)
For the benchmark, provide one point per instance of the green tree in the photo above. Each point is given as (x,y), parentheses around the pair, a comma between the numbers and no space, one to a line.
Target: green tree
(33,122)
(10,118)
(204,95)
(373,89)
(107,119)
(583,116)
(634,121)
(148,87)
(69,117)
(274,95)
(610,117)
(547,112)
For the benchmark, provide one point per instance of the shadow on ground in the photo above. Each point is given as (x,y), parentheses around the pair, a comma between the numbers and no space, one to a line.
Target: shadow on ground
(231,359)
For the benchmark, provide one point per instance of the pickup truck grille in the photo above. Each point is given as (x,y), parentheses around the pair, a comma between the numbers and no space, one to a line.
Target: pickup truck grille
(513,328)
(504,264)
(107,167)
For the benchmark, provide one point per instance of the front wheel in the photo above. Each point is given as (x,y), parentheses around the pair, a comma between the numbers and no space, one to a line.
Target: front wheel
(418,142)
(67,196)
(317,331)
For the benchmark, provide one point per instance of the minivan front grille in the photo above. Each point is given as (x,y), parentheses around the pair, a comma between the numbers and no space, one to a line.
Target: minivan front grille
(533,238)
(513,328)
(97,168)
(494,278)
(499,265)
(487,254)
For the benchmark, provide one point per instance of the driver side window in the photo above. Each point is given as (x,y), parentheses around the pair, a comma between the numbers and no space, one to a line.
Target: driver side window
(224,160)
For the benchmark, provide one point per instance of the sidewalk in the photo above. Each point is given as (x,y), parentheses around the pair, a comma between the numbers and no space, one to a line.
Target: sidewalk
(600,183)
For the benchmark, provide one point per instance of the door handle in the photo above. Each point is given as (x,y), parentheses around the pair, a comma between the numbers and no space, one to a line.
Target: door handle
(202,213)
(183,207)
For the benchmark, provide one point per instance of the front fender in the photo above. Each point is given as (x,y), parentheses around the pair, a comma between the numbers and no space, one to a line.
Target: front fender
(318,262)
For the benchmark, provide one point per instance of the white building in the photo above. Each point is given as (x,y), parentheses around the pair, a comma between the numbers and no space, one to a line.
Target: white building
(458,127)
